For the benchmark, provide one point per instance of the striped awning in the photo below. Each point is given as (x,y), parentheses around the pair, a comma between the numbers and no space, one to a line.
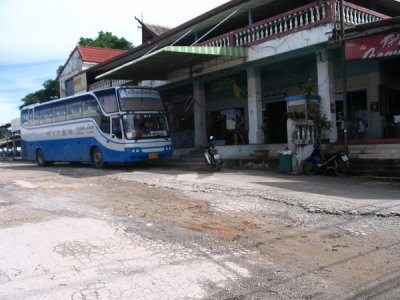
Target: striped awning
(157,65)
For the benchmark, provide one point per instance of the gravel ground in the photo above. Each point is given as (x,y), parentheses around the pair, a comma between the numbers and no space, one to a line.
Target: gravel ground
(148,232)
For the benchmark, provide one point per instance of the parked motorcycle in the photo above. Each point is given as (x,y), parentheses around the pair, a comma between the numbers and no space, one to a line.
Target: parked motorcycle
(211,156)
(316,163)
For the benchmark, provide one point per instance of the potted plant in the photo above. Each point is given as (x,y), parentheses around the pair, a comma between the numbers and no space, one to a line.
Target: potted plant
(322,126)
(307,102)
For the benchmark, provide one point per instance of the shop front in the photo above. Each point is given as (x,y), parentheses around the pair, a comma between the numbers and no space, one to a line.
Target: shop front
(226,109)
(373,98)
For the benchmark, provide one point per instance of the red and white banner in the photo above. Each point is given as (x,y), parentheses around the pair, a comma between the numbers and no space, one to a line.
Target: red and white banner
(387,44)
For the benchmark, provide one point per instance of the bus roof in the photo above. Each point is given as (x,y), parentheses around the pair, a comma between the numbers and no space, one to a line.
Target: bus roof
(87,93)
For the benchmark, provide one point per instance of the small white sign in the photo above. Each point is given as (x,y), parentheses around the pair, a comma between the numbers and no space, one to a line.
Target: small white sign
(397,119)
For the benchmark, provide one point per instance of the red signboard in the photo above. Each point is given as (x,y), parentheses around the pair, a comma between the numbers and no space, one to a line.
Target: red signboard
(387,44)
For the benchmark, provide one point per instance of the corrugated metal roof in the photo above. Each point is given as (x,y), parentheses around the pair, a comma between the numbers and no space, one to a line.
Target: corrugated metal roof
(157,65)
(97,55)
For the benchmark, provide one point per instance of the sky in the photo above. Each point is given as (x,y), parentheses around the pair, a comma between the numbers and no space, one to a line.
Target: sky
(37,36)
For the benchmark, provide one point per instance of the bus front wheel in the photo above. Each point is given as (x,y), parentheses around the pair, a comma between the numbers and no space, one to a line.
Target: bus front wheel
(40,160)
(97,158)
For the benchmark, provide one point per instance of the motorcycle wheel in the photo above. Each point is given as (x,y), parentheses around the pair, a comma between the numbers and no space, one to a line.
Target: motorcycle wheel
(340,168)
(309,168)
(208,165)
(218,165)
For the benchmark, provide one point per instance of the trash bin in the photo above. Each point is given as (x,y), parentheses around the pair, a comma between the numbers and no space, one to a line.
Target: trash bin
(285,161)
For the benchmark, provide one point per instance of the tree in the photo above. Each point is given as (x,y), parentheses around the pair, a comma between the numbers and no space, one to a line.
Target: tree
(4,133)
(49,92)
(50,89)
(106,40)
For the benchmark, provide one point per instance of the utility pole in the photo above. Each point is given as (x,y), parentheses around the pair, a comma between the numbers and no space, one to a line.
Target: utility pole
(344,79)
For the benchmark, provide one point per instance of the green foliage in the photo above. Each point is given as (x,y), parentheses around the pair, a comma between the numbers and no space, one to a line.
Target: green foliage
(4,133)
(106,40)
(322,125)
(49,92)
(308,87)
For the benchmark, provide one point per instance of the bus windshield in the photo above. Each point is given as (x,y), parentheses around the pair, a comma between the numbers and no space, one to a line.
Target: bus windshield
(145,126)
(131,99)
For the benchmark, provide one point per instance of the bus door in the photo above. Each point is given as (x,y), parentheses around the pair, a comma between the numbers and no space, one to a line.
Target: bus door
(116,129)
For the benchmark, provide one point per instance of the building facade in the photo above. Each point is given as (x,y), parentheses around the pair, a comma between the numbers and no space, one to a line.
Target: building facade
(254,56)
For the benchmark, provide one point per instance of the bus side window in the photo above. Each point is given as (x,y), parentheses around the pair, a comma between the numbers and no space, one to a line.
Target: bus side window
(30,117)
(46,116)
(74,110)
(59,113)
(36,117)
(91,109)
(25,117)
(108,100)
(105,124)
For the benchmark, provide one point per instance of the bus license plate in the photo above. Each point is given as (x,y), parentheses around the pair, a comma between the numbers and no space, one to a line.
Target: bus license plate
(153,155)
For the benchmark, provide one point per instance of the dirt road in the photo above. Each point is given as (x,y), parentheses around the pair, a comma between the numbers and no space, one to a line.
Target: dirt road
(70,232)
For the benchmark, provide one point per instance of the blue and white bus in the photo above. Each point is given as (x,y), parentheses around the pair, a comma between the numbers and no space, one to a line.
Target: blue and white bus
(114,125)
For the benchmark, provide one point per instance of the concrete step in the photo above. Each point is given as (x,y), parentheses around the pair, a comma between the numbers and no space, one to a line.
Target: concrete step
(372,151)
(374,167)
(374,156)
(378,173)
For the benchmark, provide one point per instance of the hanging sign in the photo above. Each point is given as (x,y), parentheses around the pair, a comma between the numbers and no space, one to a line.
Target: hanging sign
(381,45)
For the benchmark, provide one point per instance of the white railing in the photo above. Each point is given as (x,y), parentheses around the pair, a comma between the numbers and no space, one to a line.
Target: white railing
(301,17)
(356,15)
(222,42)
(314,14)
(303,133)
(293,21)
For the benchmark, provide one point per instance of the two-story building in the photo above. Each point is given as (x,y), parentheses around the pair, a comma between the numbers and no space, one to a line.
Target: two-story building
(72,78)
(252,56)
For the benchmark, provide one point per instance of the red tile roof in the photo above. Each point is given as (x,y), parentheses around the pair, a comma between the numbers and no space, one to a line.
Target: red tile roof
(97,55)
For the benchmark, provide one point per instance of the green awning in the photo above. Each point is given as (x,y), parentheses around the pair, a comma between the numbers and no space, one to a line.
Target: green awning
(157,65)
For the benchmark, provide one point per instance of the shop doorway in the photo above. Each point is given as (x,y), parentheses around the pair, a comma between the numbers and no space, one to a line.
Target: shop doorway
(390,110)
(221,125)
(357,110)
(274,120)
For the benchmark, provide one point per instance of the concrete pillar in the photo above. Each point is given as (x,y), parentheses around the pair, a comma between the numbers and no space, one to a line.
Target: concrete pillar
(199,110)
(326,89)
(254,98)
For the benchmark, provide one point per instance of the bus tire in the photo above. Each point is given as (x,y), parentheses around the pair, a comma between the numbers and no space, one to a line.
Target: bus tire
(97,158)
(40,160)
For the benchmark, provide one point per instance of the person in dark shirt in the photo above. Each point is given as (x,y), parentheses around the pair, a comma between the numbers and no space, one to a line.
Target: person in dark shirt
(239,127)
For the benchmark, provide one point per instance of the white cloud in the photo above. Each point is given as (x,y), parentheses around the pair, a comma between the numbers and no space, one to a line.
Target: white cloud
(43,30)
(38,36)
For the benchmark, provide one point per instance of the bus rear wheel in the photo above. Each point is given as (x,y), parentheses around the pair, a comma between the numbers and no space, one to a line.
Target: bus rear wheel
(97,158)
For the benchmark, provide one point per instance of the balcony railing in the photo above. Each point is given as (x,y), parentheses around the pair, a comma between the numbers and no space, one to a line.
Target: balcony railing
(357,15)
(303,133)
(307,16)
